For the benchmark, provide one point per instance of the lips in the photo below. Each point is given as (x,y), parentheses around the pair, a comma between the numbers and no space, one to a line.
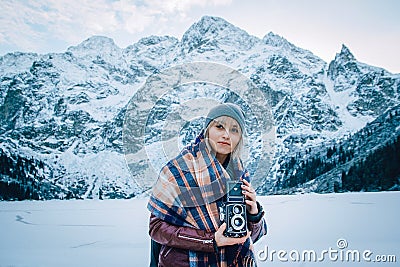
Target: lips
(224,143)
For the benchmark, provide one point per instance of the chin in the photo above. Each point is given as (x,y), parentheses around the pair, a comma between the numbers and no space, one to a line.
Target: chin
(223,151)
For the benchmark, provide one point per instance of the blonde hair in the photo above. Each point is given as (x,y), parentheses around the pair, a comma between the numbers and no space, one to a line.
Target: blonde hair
(237,151)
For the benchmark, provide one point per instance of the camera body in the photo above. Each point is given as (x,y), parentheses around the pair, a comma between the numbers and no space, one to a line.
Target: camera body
(233,211)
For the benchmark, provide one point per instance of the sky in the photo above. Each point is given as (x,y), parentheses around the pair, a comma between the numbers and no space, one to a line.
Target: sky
(369,28)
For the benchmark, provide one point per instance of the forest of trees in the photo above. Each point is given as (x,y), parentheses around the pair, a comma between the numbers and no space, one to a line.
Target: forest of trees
(379,171)
(315,166)
(19,178)
(368,160)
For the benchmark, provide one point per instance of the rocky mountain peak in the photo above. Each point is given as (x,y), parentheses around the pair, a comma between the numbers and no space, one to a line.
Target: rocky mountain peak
(155,40)
(215,31)
(345,55)
(94,46)
(275,40)
(343,67)
(209,26)
(151,44)
(97,41)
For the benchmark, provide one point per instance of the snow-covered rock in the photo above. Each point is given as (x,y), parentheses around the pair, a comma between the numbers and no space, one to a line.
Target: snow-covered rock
(66,111)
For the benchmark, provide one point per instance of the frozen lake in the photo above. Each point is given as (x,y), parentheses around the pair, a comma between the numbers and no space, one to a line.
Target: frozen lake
(114,232)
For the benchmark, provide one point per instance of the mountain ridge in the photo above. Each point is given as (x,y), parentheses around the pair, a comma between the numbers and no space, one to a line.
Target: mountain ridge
(66,109)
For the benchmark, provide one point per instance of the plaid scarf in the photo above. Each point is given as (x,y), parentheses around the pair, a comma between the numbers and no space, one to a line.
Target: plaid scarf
(188,192)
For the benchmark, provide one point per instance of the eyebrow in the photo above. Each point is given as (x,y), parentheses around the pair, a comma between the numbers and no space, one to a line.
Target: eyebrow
(223,122)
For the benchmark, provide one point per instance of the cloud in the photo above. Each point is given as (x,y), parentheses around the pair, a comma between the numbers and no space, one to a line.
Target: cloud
(36,25)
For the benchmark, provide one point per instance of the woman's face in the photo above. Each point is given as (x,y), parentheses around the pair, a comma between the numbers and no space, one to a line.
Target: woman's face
(224,134)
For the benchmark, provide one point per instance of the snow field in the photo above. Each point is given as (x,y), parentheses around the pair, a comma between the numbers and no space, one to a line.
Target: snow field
(114,232)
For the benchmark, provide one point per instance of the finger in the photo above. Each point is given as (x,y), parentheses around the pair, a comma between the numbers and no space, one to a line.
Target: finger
(243,239)
(249,191)
(250,196)
(251,203)
(248,187)
(222,227)
(245,182)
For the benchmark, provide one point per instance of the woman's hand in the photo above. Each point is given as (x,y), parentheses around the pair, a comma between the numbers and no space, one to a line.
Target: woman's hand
(250,195)
(222,240)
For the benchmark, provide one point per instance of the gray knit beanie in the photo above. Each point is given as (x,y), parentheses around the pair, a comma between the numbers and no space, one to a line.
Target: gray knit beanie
(226,109)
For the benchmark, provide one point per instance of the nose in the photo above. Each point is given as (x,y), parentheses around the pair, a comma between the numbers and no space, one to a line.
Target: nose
(226,134)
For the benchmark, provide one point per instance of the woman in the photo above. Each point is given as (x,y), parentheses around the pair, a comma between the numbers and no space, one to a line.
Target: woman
(186,199)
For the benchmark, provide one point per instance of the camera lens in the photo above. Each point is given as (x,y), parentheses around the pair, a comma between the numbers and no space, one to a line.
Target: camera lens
(237,209)
(237,222)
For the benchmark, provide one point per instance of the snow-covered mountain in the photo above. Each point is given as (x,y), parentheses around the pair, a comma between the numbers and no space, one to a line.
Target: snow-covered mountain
(62,114)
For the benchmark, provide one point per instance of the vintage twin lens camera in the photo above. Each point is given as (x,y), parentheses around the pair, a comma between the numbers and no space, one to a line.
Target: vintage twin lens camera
(233,211)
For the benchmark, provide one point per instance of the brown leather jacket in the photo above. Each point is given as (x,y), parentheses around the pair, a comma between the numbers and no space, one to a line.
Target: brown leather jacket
(177,240)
